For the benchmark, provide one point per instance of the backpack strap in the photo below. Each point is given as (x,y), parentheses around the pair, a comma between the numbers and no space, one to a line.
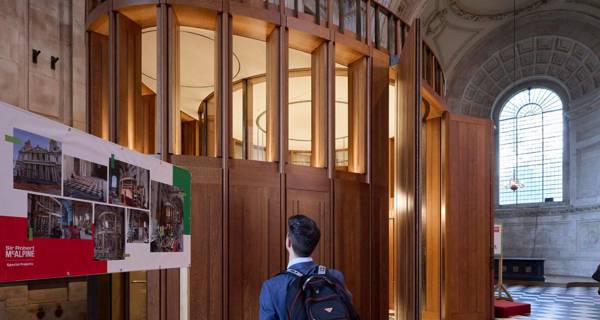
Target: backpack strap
(294,272)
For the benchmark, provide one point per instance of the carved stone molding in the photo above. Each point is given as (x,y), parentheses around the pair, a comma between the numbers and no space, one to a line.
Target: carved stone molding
(566,60)
(436,22)
(471,16)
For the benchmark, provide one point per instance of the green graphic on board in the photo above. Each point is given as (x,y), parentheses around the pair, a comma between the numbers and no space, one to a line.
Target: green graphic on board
(182,179)
(12,139)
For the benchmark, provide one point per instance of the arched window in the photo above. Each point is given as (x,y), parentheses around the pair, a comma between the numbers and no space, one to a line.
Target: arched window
(531,148)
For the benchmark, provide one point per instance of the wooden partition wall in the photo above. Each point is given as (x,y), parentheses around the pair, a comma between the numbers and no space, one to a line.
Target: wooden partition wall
(240,207)
(467,223)
(456,213)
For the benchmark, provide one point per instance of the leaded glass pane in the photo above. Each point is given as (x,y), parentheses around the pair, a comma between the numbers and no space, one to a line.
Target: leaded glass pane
(531,147)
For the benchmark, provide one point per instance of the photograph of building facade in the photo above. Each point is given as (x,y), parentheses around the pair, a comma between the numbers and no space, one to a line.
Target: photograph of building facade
(129,184)
(36,162)
(138,226)
(84,179)
(109,235)
(167,218)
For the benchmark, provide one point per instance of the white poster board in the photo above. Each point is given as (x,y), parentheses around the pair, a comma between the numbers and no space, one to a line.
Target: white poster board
(72,204)
(498,239)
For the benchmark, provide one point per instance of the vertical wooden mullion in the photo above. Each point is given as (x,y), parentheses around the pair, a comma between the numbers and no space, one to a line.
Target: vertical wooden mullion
(318,11)
(319,106)
(162,131)
(223,90)
(398,36)
(357,116)
(358,20)
(173,280)
(245,145)
(331,155)
(273,85)
(368,35)
(282,134)
(112,74)
(341,14)
(330,13)
(377,28)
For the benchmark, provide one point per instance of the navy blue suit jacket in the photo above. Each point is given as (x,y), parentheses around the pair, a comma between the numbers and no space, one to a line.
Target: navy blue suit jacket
(273,292)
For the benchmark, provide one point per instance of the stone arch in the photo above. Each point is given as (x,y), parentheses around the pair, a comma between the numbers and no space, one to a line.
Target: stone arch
(569,57)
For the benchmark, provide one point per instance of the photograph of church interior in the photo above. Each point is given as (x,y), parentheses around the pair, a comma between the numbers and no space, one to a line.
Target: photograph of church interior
(84,179)
(449,150)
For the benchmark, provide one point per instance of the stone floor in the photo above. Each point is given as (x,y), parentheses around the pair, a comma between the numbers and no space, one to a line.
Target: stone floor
(577,303)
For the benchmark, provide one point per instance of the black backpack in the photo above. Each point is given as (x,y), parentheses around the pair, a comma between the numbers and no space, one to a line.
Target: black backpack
(317,296)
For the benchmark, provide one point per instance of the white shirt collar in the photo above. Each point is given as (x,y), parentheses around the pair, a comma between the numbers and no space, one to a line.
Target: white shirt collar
(299,260)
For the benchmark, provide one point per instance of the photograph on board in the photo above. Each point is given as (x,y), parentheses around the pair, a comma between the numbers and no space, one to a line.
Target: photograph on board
(52,217)
(138,226)
(166,218)
(84,179)
(37,162)
(129,184)
(109,232)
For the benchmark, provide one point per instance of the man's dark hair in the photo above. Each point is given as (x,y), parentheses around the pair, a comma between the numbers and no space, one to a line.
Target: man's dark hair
(304,234)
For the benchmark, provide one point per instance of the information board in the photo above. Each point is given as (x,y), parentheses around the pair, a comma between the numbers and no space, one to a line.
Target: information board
(72,204)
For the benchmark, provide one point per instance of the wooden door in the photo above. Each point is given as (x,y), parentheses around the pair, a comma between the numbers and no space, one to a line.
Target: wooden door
(308,193)
(254,233)
(467,223)
(352,239)
(206,271)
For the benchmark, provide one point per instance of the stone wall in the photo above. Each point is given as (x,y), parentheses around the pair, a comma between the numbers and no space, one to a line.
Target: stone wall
(56,28)
(23,303)
(567,235)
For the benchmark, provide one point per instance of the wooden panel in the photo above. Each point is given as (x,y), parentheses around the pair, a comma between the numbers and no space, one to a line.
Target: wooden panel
(319,107)
(407,210)
(190,139)
(196,17)
(379,178)
(252,28)
(206,276)
(273,76)
(432,218)
(468,218)
(172,293)
(303,41)
(98,85)
(352,241)
(392,245)
(145,124)
(308,193)
(173,78)
(255,235)
(129,80)
(357,115)
(143,15)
